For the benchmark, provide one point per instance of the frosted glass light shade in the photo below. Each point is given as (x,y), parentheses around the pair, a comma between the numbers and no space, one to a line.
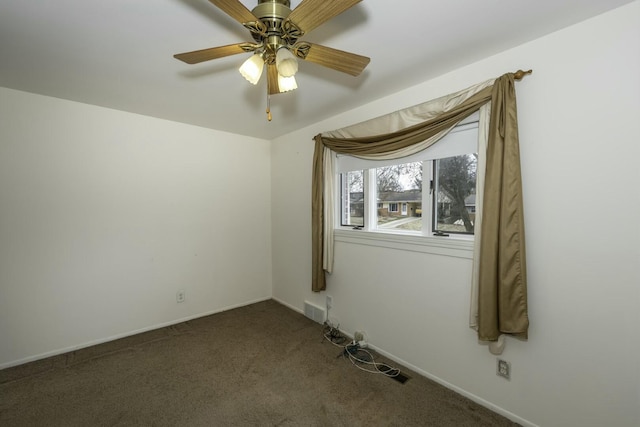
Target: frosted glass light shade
(251,69)
(286,62)
(286,84)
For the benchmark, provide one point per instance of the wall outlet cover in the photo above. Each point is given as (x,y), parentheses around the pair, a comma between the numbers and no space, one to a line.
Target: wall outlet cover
(180,296)
(503,369)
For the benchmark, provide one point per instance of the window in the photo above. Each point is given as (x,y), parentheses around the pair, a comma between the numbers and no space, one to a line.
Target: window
(428,193)
(397,187)
(352,203)
(454,194)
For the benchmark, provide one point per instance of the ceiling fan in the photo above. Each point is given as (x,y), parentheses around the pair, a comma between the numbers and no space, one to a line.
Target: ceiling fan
(276,29)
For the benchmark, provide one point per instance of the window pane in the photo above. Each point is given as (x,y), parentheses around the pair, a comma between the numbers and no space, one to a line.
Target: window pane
(352,200)
(455,194)
(399,193)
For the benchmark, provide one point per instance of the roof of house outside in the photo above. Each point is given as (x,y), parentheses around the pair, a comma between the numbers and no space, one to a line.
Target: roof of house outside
(408,196)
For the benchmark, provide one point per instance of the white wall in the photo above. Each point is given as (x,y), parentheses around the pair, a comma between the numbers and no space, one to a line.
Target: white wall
(580,146)
(105,215)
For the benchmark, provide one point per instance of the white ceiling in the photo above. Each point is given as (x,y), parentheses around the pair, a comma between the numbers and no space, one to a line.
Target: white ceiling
(119,54)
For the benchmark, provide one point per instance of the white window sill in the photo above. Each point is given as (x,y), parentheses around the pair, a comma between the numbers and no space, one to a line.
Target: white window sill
(453,246)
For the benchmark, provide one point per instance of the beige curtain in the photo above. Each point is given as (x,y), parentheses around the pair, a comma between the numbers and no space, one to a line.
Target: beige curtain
(483,138)
(502,301)
(502,287)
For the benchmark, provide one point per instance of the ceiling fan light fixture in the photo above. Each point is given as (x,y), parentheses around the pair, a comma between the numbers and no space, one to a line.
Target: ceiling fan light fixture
(286,62)
(287,84)
(252,68)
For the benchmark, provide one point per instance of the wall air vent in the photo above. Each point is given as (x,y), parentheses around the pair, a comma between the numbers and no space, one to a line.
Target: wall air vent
(314,312)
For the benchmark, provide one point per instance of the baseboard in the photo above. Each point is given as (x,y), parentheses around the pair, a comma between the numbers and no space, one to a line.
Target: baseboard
(286,304)
(127,334)
(511,416)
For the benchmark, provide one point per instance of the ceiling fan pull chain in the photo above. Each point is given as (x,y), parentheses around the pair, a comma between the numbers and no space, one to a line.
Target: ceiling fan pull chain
(268,107)
(268,99)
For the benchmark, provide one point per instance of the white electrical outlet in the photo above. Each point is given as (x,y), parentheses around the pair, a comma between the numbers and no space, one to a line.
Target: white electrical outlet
(180,296)
(329,301)
(360,338)
(503,369)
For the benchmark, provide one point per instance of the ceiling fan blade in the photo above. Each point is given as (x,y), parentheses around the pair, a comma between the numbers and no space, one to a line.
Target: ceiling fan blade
(198,56)
(272,76)
(236,10)
(339,60)
(312,13)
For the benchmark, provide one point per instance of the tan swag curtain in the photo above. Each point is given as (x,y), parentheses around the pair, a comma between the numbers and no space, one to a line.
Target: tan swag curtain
(502,290)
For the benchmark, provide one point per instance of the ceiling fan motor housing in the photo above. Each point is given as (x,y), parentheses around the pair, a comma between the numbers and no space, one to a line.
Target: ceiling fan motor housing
(272,13)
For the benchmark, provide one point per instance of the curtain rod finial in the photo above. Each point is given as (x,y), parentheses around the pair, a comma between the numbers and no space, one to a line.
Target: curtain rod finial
(518,75)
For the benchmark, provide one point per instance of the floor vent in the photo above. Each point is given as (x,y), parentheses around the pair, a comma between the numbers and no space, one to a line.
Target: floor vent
(400,377)
(313,312)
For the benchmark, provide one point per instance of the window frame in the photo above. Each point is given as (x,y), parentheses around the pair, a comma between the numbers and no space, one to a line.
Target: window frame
(390,235)
(342,210)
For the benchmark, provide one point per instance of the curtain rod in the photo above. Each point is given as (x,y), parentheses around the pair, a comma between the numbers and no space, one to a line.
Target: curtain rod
(518,75)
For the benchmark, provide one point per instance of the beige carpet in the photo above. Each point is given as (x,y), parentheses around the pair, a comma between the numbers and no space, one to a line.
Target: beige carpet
(260,365)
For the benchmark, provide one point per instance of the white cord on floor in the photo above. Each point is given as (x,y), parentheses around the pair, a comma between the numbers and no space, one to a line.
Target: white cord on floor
(390,372)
